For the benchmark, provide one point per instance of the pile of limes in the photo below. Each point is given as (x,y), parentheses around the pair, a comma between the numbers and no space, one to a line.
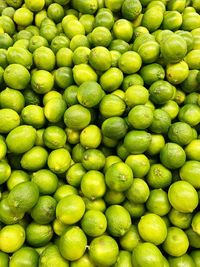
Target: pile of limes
(99,133)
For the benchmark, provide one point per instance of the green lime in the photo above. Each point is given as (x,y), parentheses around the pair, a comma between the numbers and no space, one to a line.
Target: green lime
(136,95)
(138,192)
(44,210)
(184,259)
(51,256)
(33,115)
(130,62)
(119,45)
(161,91)
(64,57)
(192,150)
(16,177)
(152,72)
(157,143)
(131,9)
(55,12)
(90,137)
(161,121)
(77,117)
(112,106)
(58,227)
(63,191)
(70,95)
(23,16)
(46,181)
(180,219)
(119,176)
(93,185)
(4,259)
(77,153)
(70,209)
(59,42)
(123,30)
(114,128)
(147,254)
(180,133)
(9,119)
(31,97)
(84,261)
(34,159)
(176,73)
(74,174)
(158,202)
(81,55)
(139,164)
(172,108)
(190,84)
(42,81)
(89,94)
(101,36)
(87,20)
(145,115)
(113,197)
(93,159)
(54,137)
(100,58)
(183,196)
(7,215)
(12,238)
(152,228)
(59,160)
(21,139)
(190,113)
(16,76)
(38,235)
(104,18)
(172,20)
(72,243)
(23,196)
(63,77)
(79,40)
(130,239)
(193,238)
(195,256)
(96,204)
(44,58)
(3,149)
(174,48)
(159,176)
(136,141)
(24,257)
(172,156)
(94,223)
(111,79)
(72,28)
(83,73)
(50,95)
(189,172)
(124,259)
(54,109)
(19,55)
(35,6)
(104,255)
(176,242)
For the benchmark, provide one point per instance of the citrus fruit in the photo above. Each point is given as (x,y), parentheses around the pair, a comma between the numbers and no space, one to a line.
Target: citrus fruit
(152,228)
(72,243)
(94,223)
(106,254)
(176,242)
(70,209)
(183,196)
(147,254)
